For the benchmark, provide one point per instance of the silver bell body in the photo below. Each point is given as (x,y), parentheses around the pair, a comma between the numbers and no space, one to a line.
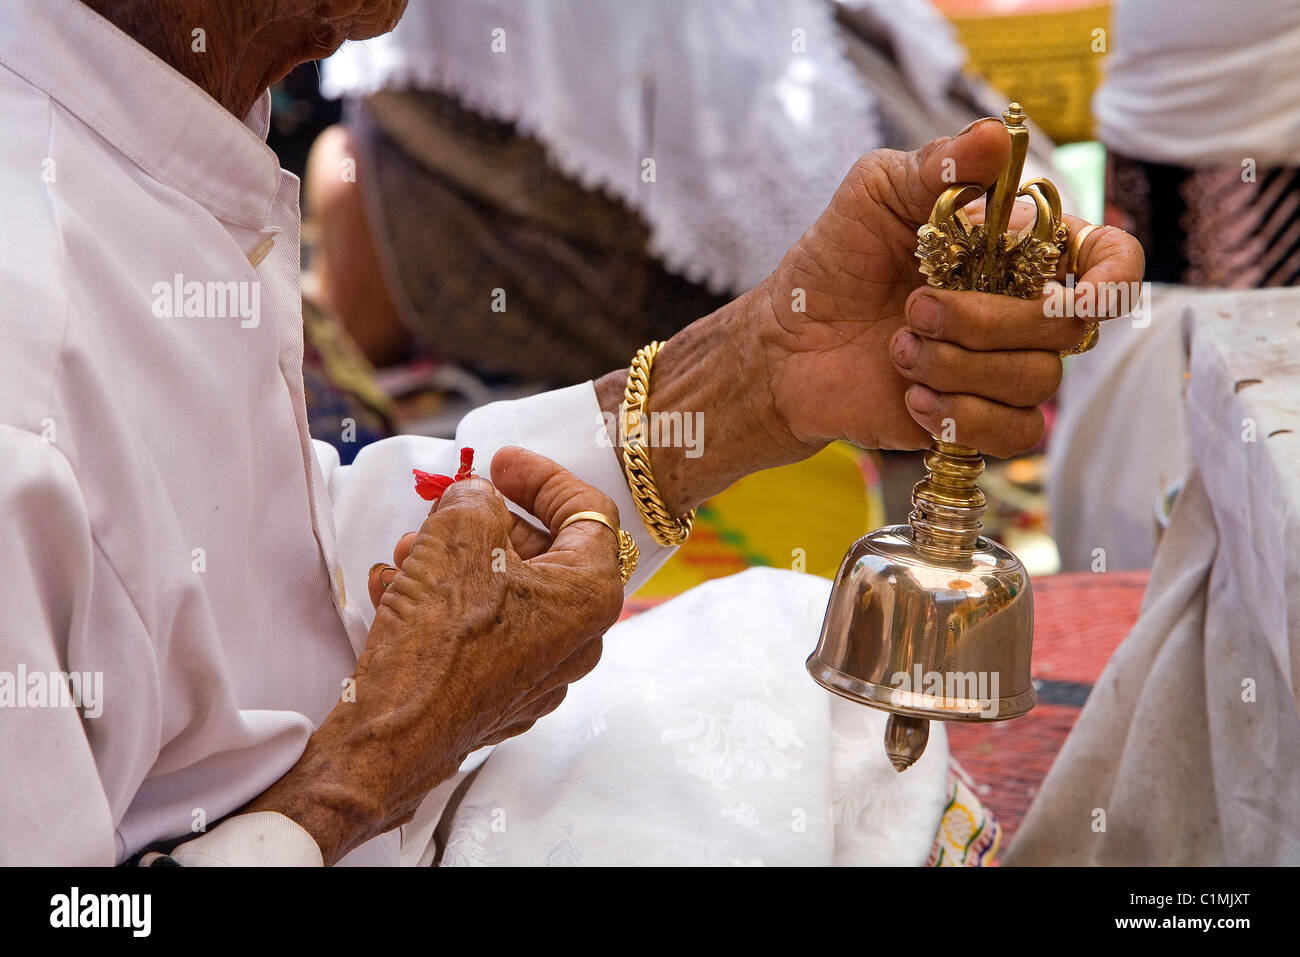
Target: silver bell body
(929,636)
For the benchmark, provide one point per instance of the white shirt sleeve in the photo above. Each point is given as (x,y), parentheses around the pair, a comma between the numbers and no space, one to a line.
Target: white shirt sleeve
(567,426)
(374,504)
(50,613)
(259,839)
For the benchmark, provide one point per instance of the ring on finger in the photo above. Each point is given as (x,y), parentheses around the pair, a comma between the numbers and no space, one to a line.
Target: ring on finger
(1076,244)
(628,553)
(381,566)
(1091,329)
(1091,334)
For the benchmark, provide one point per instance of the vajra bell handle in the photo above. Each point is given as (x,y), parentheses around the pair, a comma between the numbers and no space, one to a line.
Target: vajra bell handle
(956,253)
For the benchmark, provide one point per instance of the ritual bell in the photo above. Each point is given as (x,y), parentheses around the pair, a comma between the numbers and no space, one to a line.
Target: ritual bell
(930,621)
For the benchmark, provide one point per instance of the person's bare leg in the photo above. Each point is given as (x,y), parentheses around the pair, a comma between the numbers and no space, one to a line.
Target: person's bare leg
(345,263)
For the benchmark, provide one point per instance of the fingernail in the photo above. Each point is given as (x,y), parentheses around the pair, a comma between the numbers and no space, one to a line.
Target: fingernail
(926,315)
(922,400)
(906,347)
(388,571)
(974,123)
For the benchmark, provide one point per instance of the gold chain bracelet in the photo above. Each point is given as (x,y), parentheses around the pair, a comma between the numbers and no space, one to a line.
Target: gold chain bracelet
(663,527)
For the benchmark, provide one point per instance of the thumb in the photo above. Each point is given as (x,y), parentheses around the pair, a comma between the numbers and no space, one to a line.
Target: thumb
(975,155)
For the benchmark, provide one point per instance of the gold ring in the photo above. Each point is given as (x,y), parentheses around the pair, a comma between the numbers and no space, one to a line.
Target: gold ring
(1090,337)
(1077,244)
(628,553)
(1093,331)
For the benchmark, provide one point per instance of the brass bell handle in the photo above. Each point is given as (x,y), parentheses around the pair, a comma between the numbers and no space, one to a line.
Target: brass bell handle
(957,254)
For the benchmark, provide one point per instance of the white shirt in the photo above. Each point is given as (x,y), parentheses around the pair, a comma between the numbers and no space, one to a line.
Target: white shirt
(166,522)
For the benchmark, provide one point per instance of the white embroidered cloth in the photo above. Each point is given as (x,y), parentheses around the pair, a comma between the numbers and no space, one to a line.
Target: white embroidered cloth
(701,740)
(749,109)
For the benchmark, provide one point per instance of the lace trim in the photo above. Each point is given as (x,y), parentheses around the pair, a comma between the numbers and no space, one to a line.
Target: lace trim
(723,226)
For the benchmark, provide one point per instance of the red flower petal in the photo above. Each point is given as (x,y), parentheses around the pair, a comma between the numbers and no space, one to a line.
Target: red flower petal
(429,486)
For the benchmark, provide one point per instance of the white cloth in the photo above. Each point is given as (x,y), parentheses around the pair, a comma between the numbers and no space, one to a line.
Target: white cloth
(921,39)
(749,135)
(1202,82)
(1188,750)
(260,839)
(700,740)
(1109,466)
(167,524)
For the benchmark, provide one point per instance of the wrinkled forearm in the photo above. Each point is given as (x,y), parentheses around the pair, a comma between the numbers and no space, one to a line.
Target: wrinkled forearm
(342,790)
(714,369)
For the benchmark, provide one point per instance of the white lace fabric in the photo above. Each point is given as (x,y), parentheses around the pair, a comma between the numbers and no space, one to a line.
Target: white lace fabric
(726,125)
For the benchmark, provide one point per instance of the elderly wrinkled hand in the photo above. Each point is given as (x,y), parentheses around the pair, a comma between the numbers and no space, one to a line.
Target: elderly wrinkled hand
(475,637)
(879,358)
(844,340)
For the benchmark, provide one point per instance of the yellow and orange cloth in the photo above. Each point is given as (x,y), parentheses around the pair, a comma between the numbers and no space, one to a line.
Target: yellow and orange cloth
(802,517)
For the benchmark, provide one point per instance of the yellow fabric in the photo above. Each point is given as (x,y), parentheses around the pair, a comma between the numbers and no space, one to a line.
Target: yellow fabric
(1049,62)
(802,516)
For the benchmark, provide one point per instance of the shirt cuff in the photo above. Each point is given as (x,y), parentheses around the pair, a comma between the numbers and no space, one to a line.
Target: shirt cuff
(258,839)
(568,427)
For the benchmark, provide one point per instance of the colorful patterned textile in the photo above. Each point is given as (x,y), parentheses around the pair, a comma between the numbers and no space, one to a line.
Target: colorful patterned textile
(1079,620)
(1044,55)
(969,835)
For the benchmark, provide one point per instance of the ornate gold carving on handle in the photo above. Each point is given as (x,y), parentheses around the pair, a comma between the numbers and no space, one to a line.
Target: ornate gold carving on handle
(956,253)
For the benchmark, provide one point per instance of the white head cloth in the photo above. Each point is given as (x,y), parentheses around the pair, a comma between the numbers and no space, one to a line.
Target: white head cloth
(1203,82)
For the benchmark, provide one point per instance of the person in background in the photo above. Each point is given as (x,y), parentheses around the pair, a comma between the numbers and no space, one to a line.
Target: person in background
(1199,112)
(1200,116)
(609,172)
